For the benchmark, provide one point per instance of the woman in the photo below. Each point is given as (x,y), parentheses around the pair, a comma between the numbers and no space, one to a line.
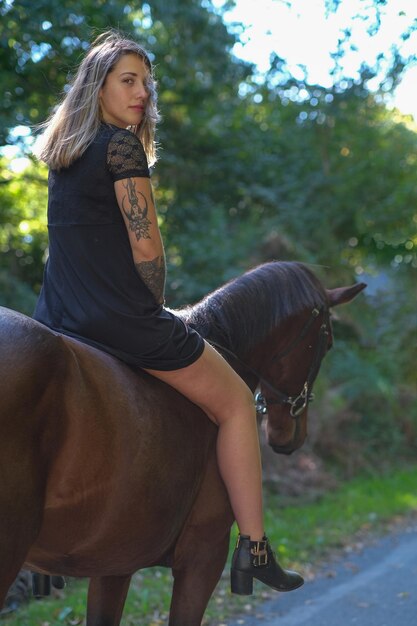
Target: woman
(105,276)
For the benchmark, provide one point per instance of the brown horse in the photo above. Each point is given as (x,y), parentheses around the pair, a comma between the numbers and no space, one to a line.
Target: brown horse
(105,470)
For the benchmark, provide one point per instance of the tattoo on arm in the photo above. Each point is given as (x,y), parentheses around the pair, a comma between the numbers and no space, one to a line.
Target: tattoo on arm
(153,275)
(137,215)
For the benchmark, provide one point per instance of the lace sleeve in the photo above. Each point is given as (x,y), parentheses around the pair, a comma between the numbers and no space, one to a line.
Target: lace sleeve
(126,157)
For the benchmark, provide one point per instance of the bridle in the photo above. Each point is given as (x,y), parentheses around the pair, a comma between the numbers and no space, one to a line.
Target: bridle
(297,402)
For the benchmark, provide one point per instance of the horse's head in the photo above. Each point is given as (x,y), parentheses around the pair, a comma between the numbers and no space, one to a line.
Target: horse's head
(286,379)
(273,324)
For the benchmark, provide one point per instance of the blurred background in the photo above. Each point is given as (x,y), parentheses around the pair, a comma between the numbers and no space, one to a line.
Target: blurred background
(287,133)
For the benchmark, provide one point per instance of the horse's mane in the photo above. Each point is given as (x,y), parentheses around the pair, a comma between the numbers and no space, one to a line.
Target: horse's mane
(246,309)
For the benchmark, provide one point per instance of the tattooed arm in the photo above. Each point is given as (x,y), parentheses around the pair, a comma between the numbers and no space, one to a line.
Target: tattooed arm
(136,202)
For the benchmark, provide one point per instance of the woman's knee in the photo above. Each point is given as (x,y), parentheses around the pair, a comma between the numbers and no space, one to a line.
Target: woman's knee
(213,385)
(238,404)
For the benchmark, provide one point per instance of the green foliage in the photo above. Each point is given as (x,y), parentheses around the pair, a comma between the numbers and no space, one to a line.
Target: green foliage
(337,172)
(40,44)
(301,532)
(23,235)
(16,295)
(368,412)
(379,376)
(211,250)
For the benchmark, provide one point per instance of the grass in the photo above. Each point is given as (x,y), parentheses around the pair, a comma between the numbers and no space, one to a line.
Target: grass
(302,534)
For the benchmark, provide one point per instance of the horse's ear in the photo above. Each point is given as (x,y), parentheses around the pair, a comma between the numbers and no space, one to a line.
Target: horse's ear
(341,295)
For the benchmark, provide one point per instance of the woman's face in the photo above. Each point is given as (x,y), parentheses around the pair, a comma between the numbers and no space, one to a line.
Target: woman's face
(124,95)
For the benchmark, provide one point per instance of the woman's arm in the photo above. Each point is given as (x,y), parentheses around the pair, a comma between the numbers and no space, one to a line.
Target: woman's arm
(136,202)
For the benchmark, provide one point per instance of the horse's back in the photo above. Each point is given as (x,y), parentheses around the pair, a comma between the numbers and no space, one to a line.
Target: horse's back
(23,338)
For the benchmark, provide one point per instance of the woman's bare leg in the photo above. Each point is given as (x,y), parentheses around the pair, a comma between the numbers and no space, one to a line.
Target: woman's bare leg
(215,387)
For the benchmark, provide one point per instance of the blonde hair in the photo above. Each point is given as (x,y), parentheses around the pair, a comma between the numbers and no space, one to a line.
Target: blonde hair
(73,126)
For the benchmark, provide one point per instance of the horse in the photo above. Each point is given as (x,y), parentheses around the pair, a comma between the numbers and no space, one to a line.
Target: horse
(105,470)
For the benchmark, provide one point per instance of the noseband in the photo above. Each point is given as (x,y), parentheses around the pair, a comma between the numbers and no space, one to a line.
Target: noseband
(297,402)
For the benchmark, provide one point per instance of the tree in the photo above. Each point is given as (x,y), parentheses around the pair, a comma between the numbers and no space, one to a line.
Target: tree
(345,167)
(40,44)
(23,236)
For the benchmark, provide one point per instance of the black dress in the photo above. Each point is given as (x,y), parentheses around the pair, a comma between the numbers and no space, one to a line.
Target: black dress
(91,289)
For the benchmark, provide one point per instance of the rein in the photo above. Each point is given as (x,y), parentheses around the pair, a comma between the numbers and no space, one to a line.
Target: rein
(299,402)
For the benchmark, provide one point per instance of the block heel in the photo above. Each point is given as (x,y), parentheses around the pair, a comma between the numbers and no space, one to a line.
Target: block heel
(41,585)
(241,583)
(255,559)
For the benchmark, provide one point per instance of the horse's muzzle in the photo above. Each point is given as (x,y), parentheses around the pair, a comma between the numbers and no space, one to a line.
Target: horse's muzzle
(284,449)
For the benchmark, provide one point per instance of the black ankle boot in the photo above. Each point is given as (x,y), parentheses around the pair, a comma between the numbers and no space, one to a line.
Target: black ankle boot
(255,559)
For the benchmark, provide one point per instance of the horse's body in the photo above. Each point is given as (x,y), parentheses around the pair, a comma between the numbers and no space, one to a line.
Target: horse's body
(105,470)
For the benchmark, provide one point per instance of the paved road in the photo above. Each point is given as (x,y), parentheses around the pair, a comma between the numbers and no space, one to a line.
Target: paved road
(375,587)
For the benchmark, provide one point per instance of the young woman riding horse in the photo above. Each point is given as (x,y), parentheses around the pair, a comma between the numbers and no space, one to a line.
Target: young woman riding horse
(105,276)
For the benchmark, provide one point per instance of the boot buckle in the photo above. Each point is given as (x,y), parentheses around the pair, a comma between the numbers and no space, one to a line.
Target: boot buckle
(260,554)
